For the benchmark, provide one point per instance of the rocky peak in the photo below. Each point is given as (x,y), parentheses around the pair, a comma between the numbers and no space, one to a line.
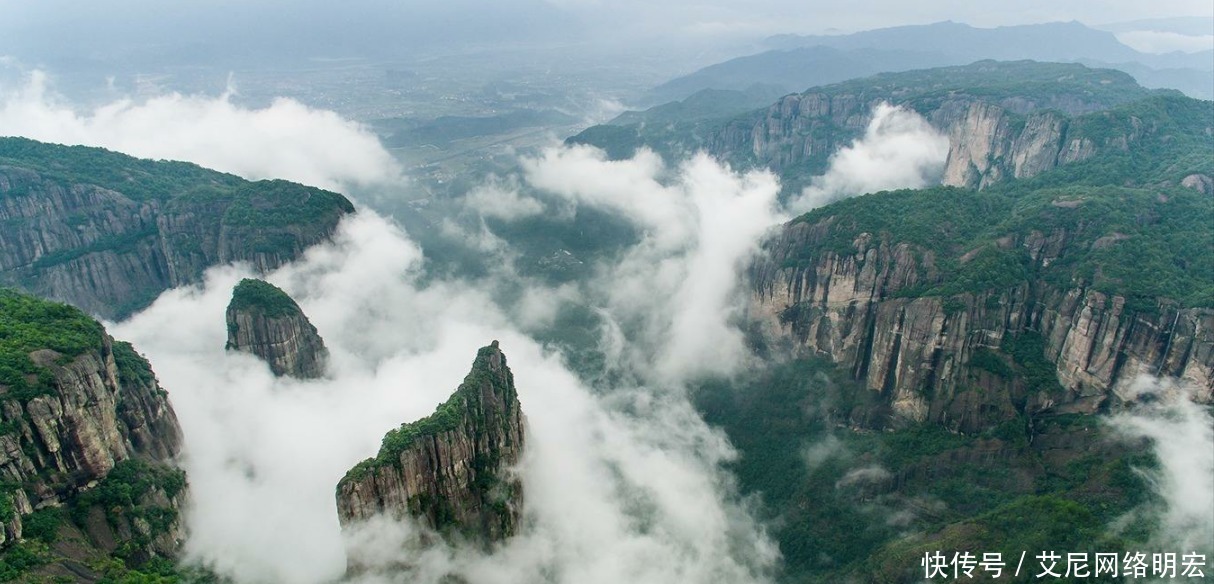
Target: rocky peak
(265,321)
(451,470)
(84,426)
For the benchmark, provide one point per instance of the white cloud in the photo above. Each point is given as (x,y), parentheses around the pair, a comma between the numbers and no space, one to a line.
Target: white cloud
(1182,435)
(899,149)
(285,140)
(674,294)
(1154,41)
(817,453)
(862,475)
(621,485)
(502,200)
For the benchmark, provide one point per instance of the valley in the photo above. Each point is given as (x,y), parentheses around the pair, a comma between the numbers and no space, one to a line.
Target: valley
(781,309)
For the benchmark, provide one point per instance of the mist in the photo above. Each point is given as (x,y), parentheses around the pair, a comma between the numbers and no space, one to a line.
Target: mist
(624,482)
(674,295)
(899,149)
(284,140)
(624,479)
(1181,433)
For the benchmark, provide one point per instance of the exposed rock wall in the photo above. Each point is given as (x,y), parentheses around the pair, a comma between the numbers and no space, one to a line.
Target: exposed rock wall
(916,351)
(989,140)
(281,335)
(109,253)
(452,470)
(58,445)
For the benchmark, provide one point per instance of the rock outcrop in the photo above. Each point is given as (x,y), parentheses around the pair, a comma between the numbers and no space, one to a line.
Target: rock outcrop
(946,358)
(85,425)
(108,233)
(990,139)
(265,321)
(1003,120)
(453,470)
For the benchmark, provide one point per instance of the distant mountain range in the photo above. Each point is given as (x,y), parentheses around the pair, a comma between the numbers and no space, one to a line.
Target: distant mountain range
(796,62)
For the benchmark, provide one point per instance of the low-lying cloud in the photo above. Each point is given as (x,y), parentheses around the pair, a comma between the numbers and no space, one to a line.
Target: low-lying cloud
(624,479)
(284,140)
(673,295)
(623,485)
(1156,41)
(502,200)
(1181,433)
(899,149)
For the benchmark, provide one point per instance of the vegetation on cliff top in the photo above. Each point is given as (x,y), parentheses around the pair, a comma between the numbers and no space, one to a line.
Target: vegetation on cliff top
(1020,83)
(137,178)
(1145,244)
(446,417)
(262,298)
(266,203)
(29,324)
(172,217)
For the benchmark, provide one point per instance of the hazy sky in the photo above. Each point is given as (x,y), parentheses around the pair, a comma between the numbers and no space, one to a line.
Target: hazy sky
(81,28)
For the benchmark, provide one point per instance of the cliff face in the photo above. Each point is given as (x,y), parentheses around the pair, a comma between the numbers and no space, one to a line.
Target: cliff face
(79,426)
(989,139)
(451,470)
(265,321)
(111,245)
(948,359)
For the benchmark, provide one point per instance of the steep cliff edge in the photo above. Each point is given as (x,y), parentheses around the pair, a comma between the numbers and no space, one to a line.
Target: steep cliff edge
(968,308)
(1004,120)
(451,470)
(108,232)
(87,441)
(265,321)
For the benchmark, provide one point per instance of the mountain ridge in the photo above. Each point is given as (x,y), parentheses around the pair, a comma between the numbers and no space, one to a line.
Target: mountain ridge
(108,232)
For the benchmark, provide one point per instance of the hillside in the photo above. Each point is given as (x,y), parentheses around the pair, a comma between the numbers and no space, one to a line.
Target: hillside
(940,362)
(108,232)
(89,485)
(1004,120)
(798,68)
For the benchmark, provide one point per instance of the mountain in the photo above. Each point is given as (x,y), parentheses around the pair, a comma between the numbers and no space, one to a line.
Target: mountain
(943,300)
(705,104)
(1052,41)
(1055,41)
(450,470)
(108,232)
(795,69)
(88,440)
(794,63)
(266,322)
(940,365)
(943,361)
(1004,120)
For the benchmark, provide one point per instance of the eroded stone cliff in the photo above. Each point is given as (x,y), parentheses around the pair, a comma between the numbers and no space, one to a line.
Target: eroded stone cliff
(452,470)
(966,357)
(85,427)
(107,232)
(993,135)
(265,321)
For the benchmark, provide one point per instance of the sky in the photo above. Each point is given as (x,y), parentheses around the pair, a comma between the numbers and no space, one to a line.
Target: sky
(83,29)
